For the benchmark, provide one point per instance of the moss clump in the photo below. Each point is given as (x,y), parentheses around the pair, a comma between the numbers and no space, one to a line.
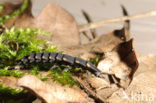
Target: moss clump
(10,91)
(14,73)
(34,71)
(6,93)
(15,44)
(64,78)
(11,95)
(1,7)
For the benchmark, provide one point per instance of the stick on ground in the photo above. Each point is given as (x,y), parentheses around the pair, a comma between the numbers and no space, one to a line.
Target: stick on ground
(89,20)
(97,24)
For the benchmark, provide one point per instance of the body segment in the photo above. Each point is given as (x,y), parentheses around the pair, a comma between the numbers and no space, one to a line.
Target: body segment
(59,58)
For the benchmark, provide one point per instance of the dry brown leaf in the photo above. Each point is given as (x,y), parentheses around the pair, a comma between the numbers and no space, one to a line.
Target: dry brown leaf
(9,81)
(97,88)
(12,83)
(53,19)
(121,62)
(143,87)
(101,44)
(51,93)
(146,63)
(9,7)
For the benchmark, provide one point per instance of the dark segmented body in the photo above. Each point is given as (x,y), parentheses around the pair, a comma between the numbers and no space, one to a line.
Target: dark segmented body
(59,58)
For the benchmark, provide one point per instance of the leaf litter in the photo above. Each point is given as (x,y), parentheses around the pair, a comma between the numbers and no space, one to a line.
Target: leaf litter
(117,58)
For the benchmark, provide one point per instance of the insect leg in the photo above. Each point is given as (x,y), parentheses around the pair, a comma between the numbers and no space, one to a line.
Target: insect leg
(66,69)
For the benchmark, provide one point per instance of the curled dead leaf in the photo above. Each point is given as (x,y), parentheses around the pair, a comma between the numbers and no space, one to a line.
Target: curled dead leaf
(51,93)
(11,83)
(99,45)
(142,89)
(122,62)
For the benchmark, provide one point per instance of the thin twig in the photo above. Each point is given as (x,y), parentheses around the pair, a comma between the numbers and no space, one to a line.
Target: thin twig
(92,25)
(85,33)
(126,24)
(89,20)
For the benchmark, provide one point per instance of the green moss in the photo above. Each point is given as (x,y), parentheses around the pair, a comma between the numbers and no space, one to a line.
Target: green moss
(51,48)
(65,78)
(34,71)
(94,60)
(8,95)
(10,91)
(15,44)
(4,18)
(1,7)
(14,73)
(12,95)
